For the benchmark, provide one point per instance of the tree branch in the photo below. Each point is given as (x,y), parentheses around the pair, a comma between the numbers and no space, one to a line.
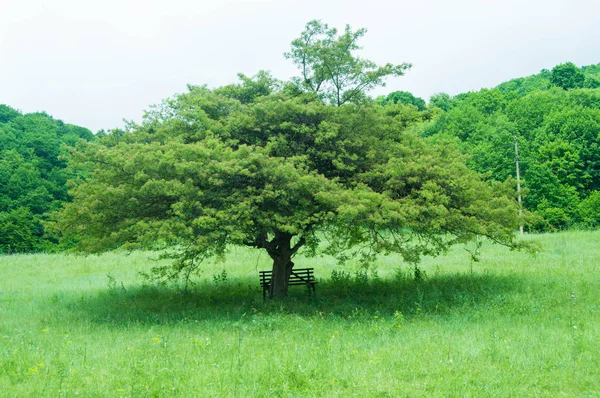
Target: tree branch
(298,245)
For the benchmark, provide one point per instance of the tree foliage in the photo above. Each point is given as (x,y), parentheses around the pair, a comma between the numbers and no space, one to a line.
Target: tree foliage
(442,101)
(403,97)
(330,68)
(206,171)
(567,76)
(307,165)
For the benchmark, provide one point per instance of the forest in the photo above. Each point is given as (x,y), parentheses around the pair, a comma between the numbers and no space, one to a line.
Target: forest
(554,116)
(34,177)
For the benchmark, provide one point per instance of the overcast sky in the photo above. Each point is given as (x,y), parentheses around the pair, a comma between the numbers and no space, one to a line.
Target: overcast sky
(95,63)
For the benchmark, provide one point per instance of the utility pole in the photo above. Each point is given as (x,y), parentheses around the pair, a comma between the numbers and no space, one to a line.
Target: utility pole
(519,185)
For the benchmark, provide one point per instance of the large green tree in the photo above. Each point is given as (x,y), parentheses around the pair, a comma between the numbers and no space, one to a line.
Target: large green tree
(281,173)
(309,165)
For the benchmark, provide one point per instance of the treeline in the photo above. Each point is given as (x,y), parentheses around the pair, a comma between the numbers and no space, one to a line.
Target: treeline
(33,176)
(555,117)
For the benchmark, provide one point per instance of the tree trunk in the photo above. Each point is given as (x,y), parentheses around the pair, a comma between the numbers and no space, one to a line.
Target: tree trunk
(281,253)
(282,269)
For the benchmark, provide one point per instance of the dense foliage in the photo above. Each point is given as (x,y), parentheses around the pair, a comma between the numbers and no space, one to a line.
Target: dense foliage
(403,97)
(33,176)
(310,164)
(281,172)
(565,76)
(331,69)
(558,140)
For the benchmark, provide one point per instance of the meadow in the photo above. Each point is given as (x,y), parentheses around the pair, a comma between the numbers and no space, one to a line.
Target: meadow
(512,324)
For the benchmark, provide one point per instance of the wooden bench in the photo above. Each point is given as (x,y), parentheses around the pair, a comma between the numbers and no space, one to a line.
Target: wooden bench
(299,276)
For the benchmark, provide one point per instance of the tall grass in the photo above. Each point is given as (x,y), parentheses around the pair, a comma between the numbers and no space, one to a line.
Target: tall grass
(510,325)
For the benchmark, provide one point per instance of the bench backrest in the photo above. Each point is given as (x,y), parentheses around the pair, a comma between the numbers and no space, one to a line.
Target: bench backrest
(299,276)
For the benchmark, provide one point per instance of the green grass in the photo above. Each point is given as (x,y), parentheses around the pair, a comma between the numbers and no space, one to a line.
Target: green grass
(509,325)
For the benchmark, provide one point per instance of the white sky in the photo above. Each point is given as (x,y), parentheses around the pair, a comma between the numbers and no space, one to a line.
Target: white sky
(94,63)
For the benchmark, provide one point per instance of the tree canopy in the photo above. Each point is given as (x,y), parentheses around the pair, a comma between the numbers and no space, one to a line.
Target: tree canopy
(207,170)
(305,165)
(567,76)
(403,97)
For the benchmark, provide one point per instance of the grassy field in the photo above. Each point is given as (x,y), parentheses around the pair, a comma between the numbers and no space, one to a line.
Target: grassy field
(510,325)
